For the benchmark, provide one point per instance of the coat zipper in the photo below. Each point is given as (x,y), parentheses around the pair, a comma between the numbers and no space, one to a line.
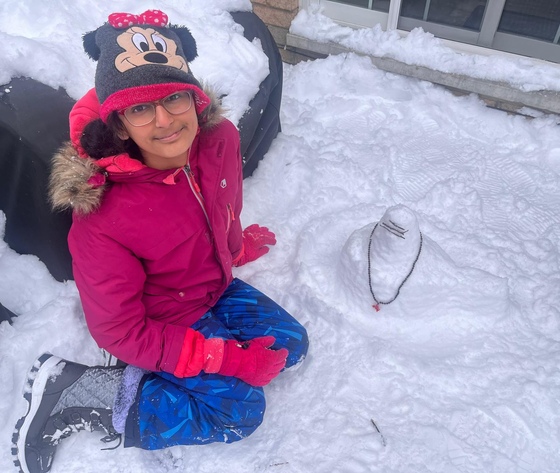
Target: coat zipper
(196,191)
(231,218)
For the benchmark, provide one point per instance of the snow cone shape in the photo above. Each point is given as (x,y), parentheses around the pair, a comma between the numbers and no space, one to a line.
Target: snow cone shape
(394,247)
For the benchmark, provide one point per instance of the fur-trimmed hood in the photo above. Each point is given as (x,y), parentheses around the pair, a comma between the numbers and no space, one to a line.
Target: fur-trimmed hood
(78,181)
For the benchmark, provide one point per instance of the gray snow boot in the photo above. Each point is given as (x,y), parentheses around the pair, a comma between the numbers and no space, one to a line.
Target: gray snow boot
(63,398)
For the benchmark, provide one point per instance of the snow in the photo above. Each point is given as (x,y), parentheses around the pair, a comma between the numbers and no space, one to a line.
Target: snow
(421,48)
(458,374)
(393,246)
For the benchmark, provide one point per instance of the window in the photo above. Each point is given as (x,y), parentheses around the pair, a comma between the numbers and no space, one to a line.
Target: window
(526,27)
(539,19)
(461,14)
(379,5)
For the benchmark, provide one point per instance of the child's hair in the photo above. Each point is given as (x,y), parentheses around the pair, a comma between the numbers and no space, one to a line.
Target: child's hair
(100,140)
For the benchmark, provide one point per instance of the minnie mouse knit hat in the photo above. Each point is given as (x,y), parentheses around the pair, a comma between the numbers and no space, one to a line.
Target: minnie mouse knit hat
(141,59)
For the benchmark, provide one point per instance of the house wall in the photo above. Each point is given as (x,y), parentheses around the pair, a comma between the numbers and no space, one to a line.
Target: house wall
(278,15)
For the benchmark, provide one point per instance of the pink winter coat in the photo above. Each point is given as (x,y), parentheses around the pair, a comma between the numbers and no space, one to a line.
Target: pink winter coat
(152,250)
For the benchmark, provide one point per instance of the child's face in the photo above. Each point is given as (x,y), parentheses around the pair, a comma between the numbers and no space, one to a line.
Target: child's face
(165,141)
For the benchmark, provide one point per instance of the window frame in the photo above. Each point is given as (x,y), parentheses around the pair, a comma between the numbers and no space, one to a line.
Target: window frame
(355,17)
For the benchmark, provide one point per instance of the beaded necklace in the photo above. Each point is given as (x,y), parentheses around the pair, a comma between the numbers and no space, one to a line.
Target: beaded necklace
(399,232)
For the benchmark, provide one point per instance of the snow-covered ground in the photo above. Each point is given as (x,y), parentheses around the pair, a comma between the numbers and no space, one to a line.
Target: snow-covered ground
(459,374)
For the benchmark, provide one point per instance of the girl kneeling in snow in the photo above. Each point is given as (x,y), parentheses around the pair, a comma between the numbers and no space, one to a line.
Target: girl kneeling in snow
(156,193)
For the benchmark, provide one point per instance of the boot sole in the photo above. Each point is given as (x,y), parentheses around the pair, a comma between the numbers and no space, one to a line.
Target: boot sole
(37,378)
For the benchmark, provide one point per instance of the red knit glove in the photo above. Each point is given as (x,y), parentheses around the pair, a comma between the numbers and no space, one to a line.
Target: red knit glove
(253,361)
(198,354)
(255,239)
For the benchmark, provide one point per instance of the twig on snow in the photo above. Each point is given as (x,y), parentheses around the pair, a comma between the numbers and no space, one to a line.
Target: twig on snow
(383,441)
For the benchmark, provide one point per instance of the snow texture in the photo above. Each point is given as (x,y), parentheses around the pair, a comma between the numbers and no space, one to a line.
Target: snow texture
(458,375)
(421,48)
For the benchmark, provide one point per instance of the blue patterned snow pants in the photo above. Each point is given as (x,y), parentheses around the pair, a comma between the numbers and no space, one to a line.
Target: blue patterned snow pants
(209,407)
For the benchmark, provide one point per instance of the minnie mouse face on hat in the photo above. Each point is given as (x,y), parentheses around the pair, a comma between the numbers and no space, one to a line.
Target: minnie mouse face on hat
(144,46)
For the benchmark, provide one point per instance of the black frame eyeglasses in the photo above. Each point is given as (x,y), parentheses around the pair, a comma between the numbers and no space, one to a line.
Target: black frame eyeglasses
(141,114)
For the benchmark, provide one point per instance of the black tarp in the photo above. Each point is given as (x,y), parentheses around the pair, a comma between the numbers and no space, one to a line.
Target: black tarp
(34,124)
(5,314)
(261,123)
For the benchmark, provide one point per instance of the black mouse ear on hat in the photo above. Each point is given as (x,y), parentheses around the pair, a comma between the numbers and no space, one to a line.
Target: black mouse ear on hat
(187,41)
(90,46)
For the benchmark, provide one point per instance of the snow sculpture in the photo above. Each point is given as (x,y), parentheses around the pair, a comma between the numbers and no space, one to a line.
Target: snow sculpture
(383,256)
(394,247)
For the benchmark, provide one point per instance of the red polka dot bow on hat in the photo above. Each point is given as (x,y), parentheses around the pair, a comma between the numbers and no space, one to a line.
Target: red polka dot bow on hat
(149,17)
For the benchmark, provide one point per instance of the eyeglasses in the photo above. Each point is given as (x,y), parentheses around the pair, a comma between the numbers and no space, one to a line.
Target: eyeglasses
(143,113)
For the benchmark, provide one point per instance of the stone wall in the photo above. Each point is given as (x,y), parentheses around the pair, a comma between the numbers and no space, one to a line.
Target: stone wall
(278,15)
